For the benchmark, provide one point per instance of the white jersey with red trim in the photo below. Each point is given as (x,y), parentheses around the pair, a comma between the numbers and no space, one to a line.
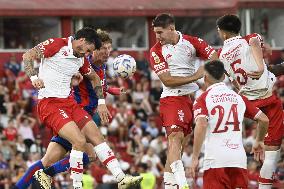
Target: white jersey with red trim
(179,60)
(225,111)
(58,66)
(238,60)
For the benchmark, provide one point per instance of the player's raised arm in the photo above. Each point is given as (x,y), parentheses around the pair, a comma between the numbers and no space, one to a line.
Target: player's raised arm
(28,59)
(255,45)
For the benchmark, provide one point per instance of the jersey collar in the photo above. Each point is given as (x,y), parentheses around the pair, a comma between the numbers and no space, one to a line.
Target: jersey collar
(232,39)
(216,85)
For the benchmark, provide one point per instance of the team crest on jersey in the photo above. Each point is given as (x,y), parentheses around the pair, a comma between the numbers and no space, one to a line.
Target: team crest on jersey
(181,115)
(156,58)
(197,111)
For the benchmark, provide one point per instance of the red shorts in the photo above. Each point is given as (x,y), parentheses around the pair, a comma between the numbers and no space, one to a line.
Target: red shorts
(272,107)
(176,114)
(56,112)
(225,178)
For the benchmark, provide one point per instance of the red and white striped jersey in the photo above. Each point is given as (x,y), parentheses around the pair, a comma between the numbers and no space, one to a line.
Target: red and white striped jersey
(58,66)
(225,111)
(238,60)
(179,60)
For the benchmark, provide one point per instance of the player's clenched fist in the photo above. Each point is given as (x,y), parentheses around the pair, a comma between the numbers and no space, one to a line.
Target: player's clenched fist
(36,82)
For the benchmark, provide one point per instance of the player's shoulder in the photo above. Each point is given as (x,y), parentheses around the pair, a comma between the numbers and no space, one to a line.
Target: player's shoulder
(52,45)
(156,48)
(253,35)
(203,96)
(60,41)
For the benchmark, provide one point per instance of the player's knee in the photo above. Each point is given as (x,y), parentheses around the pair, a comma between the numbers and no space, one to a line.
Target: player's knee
(79,143)
(47,161)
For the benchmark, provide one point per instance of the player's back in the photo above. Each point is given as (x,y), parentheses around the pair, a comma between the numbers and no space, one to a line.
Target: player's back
(225,111)
(238,59)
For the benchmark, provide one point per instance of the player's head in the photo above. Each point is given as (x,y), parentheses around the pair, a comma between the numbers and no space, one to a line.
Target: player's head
(101,55)
(86,41)
(228,25)
(164,28)
(214,72)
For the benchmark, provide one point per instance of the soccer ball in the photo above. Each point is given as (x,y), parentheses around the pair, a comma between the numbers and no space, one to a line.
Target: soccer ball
(124,66)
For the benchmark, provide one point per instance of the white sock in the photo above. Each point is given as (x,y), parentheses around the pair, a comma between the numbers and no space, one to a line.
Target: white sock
(179,173)
(76,165)
(106,156)
(170,181)
(268,169)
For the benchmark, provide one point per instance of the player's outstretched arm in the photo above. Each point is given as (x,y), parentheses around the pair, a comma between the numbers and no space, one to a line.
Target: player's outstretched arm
(28,59)
(277,70)
(199,136)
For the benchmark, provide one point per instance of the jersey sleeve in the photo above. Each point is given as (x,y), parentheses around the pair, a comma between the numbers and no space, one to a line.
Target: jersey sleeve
(256,36)
(51,46)
(251,111)
(86,68)
(199,107)
(203,50)
(157,61)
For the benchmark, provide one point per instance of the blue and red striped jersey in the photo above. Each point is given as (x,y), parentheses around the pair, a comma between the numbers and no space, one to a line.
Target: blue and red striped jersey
(85,94)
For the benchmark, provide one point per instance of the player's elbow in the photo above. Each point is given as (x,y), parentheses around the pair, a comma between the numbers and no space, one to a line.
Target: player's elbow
(168,82)
(254,42)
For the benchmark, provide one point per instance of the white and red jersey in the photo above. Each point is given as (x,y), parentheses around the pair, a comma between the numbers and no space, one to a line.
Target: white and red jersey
(238,60)
(58,66)
(179,60)
(225,111)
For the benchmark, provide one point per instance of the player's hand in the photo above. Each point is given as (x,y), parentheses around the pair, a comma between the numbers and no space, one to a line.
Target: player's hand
(103,113)
(122,90)
(199,73)
(258,150)
(76,79)
(38,83)
(193,167)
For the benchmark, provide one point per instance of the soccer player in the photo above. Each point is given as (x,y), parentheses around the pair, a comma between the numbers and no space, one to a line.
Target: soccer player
(218,114)
(243,60)
(62,59)
(172,58)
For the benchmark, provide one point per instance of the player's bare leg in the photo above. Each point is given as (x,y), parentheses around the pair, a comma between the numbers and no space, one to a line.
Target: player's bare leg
(106,156)
(267,171)
(174,167)
(53,153)
(72,133)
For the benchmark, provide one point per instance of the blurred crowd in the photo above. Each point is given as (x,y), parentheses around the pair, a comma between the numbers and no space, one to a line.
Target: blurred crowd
(135,131)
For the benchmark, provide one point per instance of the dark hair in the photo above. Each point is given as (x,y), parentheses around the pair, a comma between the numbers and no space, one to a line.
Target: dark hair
(90,36)
(163,20)
(104,36)
(144,166)
(215,68)
(229,23)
